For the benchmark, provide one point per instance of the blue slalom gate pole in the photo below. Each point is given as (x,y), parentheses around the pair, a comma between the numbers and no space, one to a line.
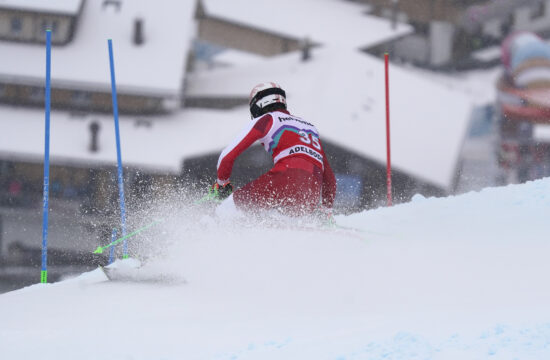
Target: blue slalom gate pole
(112,250)
(44,270)
(119,159)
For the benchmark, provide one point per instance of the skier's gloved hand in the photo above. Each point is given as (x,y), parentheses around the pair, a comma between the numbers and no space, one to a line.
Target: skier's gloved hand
(222,191)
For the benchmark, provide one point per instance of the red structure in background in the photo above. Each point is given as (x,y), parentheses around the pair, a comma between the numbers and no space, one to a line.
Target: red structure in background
(388,147)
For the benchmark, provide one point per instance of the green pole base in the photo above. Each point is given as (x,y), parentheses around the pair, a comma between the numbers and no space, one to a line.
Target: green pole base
(44,276)
(125,256)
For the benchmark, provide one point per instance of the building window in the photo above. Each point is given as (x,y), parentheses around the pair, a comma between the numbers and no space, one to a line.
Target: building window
(16,25)
(81,98)
(539,11)
(37,94)
(116,4)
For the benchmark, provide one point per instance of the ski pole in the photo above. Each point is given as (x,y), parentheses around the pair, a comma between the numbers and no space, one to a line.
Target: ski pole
(211,196)
(119,159)
(112,251)
(100,249)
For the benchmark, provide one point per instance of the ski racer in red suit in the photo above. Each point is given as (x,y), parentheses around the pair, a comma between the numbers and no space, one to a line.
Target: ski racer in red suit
(301,179)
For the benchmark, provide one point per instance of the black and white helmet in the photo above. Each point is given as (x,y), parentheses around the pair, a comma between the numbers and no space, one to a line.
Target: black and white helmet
(264,95)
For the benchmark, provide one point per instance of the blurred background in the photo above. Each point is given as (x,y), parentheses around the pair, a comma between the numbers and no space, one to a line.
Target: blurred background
(469,94)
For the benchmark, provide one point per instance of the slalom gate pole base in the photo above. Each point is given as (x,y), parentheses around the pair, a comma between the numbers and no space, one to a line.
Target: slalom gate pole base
(44,276)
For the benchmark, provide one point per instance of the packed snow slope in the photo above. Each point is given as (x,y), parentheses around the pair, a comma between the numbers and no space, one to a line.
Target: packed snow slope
(463,277)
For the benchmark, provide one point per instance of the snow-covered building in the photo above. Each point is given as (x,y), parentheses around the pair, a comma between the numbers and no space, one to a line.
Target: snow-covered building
(270,28)
(341,90)
(149,73)
(152,42)
(448,31)
(339,87)
(26,21)
(150,77)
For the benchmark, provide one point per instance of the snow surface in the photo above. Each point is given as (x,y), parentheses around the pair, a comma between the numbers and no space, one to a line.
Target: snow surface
(463,277)
(329,22)
(156,67)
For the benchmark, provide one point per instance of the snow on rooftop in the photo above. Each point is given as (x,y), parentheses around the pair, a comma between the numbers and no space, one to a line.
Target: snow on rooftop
(342,92)
(329,22)
(50,6)
(541,132)
(479,85)
(233,57)
(488,54)
(157,66)
(160,147)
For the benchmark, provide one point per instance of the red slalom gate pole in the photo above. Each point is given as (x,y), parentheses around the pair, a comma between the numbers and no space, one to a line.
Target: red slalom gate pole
(388,154)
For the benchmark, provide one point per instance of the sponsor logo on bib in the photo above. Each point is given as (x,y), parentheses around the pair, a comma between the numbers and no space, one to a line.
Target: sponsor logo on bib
(298,149)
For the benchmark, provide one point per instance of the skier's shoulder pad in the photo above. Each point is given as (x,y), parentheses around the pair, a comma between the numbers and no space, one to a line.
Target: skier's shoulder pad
(262,123)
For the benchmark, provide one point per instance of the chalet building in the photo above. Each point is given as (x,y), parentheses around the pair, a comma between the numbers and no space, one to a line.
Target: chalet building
(337,61)
(224,26)
(447,32)
(172,128)
(27,21)
(151,43)
(24,24)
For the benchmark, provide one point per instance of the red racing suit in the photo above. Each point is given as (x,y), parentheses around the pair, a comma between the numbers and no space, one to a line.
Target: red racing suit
(301,178)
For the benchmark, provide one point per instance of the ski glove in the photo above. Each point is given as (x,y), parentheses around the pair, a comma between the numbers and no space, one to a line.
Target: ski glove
(222,191)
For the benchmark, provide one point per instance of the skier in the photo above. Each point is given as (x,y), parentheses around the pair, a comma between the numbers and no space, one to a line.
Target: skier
(301,181)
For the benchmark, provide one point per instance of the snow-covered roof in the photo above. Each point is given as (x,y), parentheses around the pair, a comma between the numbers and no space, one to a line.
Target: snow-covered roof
(541,132)
(70,7)
(488,54)
(329,22)
(479,85)
(342,92)
(157,66)
(233,57)
(160,146)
